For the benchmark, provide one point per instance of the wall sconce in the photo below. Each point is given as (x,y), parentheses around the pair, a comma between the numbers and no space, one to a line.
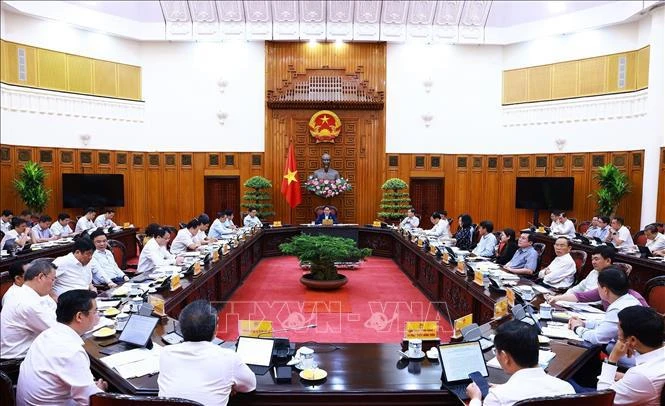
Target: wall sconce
(85,139)
(222,116)
(427,118)
(560,143)
(427,84)
(222,84)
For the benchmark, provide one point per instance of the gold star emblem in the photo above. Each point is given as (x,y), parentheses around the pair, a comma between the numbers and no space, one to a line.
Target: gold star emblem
(291,176)
(324,119)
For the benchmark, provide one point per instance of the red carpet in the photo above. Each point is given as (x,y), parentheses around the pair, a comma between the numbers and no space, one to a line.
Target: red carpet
(379,299)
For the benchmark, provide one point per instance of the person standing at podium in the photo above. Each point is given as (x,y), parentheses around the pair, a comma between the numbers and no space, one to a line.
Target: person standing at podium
(326,215)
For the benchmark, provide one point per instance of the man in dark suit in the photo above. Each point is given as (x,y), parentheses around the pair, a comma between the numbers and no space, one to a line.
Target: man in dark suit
(326,215)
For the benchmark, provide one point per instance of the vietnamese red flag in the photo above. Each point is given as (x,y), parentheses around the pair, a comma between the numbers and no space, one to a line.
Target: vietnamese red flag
(290,183)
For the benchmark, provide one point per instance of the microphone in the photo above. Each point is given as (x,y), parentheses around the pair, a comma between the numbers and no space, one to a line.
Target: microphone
(288,329)
(531,226)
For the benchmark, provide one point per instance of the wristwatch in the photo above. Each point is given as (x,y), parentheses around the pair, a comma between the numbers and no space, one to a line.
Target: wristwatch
(607,361)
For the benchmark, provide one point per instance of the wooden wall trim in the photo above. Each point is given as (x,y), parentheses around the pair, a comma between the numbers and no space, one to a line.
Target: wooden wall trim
(660,210)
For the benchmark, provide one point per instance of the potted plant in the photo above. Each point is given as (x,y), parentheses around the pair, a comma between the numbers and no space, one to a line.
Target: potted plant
(30,187)
(614,185)
(258,198)
(322,251)
(395,201)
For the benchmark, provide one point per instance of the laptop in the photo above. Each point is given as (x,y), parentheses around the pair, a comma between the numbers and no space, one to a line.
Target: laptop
(256,353)
(457,362)
(645,252)
(583,239)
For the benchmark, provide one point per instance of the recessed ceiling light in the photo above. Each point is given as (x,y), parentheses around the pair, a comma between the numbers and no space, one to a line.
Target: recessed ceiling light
(556,6)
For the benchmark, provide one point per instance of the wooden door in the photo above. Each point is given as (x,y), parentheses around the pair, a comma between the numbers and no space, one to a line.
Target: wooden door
(426,198)
(223,193)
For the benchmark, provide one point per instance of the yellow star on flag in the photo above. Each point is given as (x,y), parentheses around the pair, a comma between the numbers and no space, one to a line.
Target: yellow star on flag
(291,176)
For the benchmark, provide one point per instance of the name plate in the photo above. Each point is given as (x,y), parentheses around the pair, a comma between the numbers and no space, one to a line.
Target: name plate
(460,323)
(376,223)
(445,257)
(175,282)
(157,305)
(510,297)
(327,222)
(215,256)
(425,330)
(432,250)
(255,328)
(276,223)
(478,278)
(197,269)
(460,267)
(500,309)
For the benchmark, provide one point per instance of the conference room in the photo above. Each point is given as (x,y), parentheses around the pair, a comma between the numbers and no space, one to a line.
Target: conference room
(208,165)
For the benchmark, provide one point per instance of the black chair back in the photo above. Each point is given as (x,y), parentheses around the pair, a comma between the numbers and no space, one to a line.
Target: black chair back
(600,398)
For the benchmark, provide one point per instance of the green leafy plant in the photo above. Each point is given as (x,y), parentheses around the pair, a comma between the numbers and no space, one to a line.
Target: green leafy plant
(258,198)
(322,251)
(614,185)
(395,201)
(30,186)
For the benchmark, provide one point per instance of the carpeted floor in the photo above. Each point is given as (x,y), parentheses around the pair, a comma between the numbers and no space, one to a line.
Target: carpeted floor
(371,308)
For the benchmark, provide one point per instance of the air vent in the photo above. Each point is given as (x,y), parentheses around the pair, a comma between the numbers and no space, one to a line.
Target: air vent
(22,70)
(621,82)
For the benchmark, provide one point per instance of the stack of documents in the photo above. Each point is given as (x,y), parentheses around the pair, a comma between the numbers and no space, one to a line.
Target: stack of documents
(544,358)
(103,322)
(559,330)
(136,362)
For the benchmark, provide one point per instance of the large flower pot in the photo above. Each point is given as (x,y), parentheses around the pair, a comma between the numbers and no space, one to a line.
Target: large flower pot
(323,285)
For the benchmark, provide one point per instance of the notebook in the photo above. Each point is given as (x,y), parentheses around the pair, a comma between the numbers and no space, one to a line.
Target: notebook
(457,362)
(256,353)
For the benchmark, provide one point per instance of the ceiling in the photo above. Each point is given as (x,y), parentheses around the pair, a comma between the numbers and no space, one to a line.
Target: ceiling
(464,22)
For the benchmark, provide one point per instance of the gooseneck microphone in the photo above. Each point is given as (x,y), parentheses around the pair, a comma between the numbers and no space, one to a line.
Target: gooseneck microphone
(287,329)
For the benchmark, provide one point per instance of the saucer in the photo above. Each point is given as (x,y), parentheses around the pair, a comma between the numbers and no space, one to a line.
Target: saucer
(419,355)
(112,311)
(433,355)
(313,374)
(104,332)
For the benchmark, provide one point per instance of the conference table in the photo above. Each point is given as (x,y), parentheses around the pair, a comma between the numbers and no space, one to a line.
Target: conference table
(358,373)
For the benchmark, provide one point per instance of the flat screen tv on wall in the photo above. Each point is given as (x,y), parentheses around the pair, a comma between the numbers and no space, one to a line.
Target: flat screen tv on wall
(83,190)
(539,193)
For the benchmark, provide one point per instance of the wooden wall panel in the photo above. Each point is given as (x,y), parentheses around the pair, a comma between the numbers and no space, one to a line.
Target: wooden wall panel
(515,86)
(564,80)
(52,67)
(593,76)
(79,74)
(540,86)
(643,68)
(660,210)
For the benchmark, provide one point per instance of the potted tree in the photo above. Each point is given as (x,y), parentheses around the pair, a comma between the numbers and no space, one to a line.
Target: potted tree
(30,187)
(322,251)
(258,198)
(614,185)
(395,201)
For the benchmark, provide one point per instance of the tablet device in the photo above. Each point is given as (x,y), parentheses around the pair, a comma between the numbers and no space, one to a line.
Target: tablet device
(256,353)
(138,330)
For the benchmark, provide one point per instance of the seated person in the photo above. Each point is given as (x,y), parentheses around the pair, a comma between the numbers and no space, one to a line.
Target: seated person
(26,313)
(105,270)
(487,243)
(613,288)
(516,345)
(60,228)
(217,229)
(554,221)
(86,223)
(619,234)
(251,219)
(204,224)
(19,235)
(73,270)
(507,246)
(56,370)
(16,272)
(560,273)
(655,240)
(441,227)
(6,220)
(464,234)
(150,230)
(219,371)
(593,229)
(228,223)
(154,252)
(41,231)
(410,221)
(105,220)
(326,215)
(184,240)
(563,226)
(640,335)
(525,260)
(604,226)
(27,216)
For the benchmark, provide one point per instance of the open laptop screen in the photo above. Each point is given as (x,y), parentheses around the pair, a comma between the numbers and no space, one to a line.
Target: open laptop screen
(138,330)
(255,351)
(459,360)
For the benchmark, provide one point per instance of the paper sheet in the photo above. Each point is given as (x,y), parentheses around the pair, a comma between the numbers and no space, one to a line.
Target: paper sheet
(544,358)
(103,322)
(105,304)
(136,362)
(560,332)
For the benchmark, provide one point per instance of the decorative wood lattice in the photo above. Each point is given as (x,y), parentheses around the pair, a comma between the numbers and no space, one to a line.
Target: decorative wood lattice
(325,88)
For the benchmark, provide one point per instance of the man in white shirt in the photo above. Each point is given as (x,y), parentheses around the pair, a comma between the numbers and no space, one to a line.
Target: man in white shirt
(641,336)
(105,220)
(560,273)
(26,313)
(441,228)
(228,223)
(184,240)
(105,270)
(16,272)
(251,220)
(204,224)
(593,229)
(217,229)
(601,258)
(488,242)
(219,371)
(563,226)
(613,288)
(73,271)
(19,234)
(516,345)
(6,220)
(619,234)
(154,252)
(85,223)
(61,228)
(56,370)
(410,221)
(655,240)
(41,231)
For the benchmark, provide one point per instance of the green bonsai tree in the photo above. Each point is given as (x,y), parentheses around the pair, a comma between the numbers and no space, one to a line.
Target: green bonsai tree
(30,187)
(395,200)
(258,198)
(322,251)
(614,185)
